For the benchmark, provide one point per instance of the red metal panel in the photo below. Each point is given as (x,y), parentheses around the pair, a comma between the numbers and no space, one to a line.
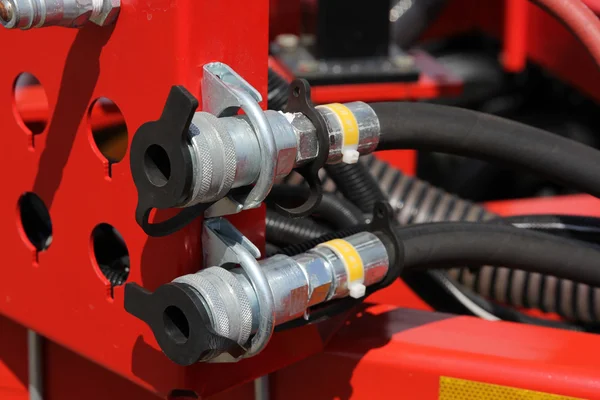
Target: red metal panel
(59,292)
(68,376)
(572,205)
(404,160)
(285,17)
(13,360)
(464,16)
(389,352)
(551,45)
(514,56)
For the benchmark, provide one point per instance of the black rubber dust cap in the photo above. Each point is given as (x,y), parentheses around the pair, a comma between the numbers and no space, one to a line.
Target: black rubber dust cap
(178,320)
(161,164)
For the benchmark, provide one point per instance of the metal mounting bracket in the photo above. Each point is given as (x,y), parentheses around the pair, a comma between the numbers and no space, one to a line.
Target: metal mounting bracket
(222,244)
(224,93)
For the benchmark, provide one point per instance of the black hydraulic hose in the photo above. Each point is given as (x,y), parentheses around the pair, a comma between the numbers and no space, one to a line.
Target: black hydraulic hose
(572,300)
(295,249)
(356,184)
(446,301)
(271,249)
(453,244)
(473,134)
(338,211)
(415,201)
(283,231)
(583,228)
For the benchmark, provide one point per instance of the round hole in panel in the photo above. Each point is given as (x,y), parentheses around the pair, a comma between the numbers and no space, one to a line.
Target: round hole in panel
(31,103)
(109,131)
(35,221)
(111,254)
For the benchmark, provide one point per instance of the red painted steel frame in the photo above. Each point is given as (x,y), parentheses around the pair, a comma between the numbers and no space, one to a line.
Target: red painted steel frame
(61,292)
(390,352)
(530,33)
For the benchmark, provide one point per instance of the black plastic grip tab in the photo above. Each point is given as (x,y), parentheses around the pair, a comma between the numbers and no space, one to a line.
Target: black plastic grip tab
(161,164)
(178,321)
(299,100)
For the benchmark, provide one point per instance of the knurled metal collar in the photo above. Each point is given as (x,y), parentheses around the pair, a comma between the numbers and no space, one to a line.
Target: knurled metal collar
(223,93)
(213,159)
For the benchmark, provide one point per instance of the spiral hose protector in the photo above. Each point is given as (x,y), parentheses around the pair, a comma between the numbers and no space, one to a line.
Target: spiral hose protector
(339,212)
(278,91)
(299,248)
(416,201)
(283,230)
(356,184)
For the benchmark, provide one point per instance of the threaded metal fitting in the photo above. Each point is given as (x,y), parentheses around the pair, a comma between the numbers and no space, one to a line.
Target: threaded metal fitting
(296,283)
(226,153)
(27,14)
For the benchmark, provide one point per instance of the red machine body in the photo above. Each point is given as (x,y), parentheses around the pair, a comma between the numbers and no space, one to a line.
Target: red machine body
(94,349)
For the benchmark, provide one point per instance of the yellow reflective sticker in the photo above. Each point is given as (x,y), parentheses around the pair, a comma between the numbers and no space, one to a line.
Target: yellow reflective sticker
(461,389)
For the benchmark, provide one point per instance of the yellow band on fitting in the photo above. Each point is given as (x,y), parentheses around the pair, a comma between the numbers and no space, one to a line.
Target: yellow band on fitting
(350,258)
(349,124)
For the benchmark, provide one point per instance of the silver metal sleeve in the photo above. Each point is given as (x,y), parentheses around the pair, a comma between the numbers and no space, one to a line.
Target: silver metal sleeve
(295,284)
(374,257)
(316,276)
(226,153)
(368,132)
(27,14)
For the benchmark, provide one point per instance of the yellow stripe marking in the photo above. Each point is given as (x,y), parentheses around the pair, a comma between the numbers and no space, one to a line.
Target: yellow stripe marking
(348,121)
(351,258)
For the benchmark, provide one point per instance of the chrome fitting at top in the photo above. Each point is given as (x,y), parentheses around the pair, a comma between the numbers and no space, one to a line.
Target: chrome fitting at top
(196,160)
(232,151)
(27,14)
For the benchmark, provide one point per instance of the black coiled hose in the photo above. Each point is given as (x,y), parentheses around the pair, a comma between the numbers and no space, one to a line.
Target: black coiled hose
(356,184)
(283,231)
(337,211)
(278,91)
(418,202)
